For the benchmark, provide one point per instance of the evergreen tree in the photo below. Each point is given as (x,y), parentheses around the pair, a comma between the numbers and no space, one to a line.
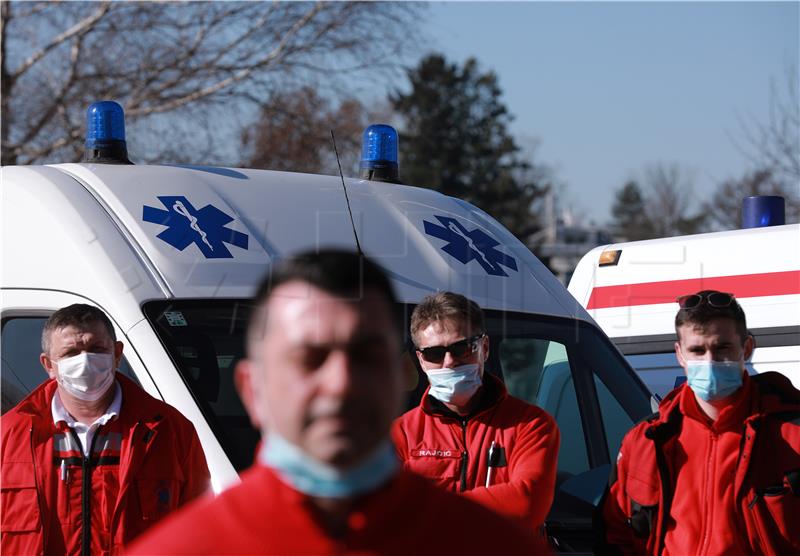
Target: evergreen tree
(629,213)
(664,207)
(456,141)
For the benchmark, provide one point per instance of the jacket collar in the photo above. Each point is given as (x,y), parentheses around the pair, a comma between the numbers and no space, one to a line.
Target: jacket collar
(776,394)
(772,393)
(36,405)
(492,392)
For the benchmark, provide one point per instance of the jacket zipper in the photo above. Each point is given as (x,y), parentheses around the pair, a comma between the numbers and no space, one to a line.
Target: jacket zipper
(86,492)
(708,517)
(464,456)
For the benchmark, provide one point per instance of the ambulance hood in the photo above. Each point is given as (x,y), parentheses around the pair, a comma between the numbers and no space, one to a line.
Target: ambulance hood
(205,232)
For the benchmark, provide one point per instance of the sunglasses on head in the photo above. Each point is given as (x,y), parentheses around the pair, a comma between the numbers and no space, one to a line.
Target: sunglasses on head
(462,348)
(714,299)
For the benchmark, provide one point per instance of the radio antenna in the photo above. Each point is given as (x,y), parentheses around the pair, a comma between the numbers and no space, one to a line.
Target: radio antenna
(346,198)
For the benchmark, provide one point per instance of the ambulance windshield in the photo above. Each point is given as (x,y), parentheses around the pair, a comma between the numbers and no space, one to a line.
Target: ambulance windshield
(567,367)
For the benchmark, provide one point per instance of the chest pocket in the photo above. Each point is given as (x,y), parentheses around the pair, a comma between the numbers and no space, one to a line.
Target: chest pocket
(643,495)
(157,497)
(441,466)
(781,502)
(19,503)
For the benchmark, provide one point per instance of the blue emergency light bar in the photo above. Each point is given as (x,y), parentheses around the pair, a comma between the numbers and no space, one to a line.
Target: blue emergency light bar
(379,154)
(105,134)
(763,210)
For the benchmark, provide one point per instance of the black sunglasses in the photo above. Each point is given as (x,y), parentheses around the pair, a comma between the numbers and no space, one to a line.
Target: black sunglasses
(714,299)
(461,348)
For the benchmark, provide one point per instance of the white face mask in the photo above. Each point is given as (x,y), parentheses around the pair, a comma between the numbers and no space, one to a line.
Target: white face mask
(86,376)
(457,385)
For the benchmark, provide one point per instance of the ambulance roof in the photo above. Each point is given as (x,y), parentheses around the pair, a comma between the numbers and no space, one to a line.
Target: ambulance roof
(636,296)
(155,232)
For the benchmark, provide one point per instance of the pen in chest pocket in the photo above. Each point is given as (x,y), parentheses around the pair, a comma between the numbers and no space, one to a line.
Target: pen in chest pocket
(496,458)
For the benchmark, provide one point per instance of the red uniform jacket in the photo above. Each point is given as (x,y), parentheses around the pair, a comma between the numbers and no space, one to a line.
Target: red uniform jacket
(453,451)
(263,515)
(634,513)
(147,462)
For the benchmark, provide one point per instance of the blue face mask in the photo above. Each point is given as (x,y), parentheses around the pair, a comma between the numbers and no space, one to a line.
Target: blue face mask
(714,380)
(457,385)
(312,477)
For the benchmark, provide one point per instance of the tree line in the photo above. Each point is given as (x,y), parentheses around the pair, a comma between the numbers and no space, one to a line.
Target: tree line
(663,202)
(278,77)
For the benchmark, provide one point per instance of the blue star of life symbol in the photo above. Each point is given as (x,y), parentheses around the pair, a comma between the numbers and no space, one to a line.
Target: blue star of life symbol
(205,227)
(465,245)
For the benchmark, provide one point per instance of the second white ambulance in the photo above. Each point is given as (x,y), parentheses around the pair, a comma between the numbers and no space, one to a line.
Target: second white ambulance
(630,290)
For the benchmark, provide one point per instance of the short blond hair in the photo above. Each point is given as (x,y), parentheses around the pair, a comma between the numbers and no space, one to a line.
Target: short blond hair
(444,306)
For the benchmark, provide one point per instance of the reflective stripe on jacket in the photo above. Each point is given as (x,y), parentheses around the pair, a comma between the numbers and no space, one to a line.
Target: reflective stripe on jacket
(453,451)
(633,517)
(160,467)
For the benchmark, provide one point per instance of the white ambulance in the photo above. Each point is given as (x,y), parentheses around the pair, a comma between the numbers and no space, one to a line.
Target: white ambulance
(630,290)
(173,253)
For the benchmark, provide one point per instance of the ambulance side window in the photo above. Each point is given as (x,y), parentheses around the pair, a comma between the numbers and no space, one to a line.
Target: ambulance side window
(538,372)
(615,420)
(20,347)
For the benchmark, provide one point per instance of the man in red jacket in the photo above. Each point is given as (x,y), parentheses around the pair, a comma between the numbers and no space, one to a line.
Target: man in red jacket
(89,459)
(468,434)
(323,381)
(717,469)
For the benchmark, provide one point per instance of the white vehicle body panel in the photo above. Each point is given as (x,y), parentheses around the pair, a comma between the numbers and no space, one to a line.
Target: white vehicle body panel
(101,206)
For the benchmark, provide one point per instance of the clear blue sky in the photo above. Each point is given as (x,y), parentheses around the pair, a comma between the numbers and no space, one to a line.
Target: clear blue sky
(610,87)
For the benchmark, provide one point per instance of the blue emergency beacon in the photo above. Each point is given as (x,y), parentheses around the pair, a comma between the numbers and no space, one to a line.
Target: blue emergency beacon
(105,134)
(379,154)
(763,210)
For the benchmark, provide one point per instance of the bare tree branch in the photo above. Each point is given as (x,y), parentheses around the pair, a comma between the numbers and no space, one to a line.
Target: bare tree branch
(238,75)
(775,144)
(82,27)
(669,200)
(195,60)
(36,7)
(725,207)
(58,97)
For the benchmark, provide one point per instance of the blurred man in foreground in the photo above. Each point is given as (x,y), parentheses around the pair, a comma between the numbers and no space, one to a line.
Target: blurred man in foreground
(323,382)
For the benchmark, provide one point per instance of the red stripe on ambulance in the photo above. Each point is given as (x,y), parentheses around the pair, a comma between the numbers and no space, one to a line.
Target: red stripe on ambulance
(651,293)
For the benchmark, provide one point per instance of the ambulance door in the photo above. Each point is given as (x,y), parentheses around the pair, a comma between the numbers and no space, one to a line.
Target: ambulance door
(24,313)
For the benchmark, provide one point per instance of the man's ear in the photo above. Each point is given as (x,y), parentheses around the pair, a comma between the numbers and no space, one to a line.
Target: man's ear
(420,359)
(485,342)
(48,364)
(679,355)
(118,346)
(749,347)
(243,379)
